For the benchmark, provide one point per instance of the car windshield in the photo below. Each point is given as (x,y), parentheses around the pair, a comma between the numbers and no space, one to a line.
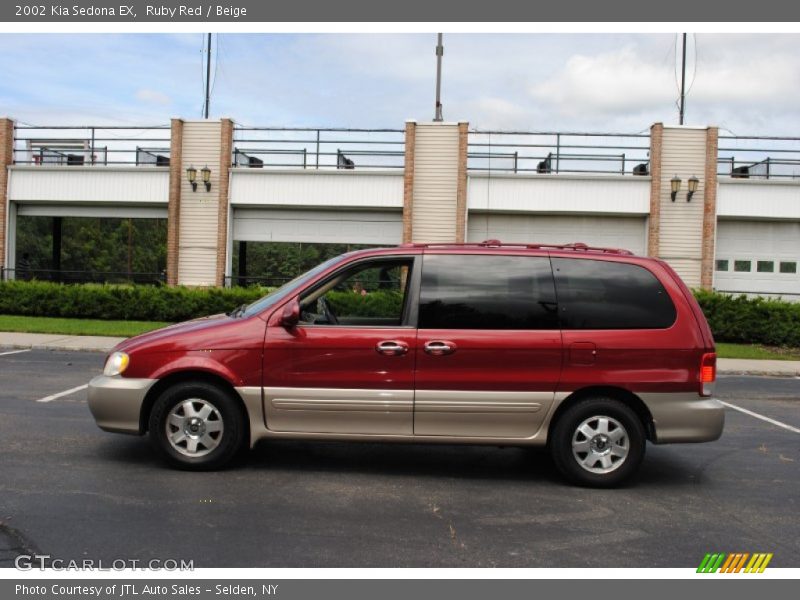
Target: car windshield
(287,289)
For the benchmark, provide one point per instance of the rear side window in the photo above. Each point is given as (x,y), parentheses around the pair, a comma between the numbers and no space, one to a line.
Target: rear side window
(487,292)
(596,294)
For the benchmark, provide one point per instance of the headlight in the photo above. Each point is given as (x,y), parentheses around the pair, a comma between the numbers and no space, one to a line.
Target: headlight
(116,364)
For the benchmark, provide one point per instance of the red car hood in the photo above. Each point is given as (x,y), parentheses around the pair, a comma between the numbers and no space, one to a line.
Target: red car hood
(189,335)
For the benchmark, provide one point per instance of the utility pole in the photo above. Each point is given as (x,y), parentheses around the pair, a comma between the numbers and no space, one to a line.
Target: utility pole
(683,79)
(439,54)
(208,76)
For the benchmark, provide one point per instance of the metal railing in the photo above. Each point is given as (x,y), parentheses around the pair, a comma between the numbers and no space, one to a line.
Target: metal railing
(318,148)
(74,276)
(759,157)
(546,152)
(109,145)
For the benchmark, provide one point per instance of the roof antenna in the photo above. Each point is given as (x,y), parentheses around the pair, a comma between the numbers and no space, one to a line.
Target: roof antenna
(439,54)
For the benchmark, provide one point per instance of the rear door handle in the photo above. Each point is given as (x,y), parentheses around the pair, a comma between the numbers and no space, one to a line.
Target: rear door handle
(391,348)
(439,347)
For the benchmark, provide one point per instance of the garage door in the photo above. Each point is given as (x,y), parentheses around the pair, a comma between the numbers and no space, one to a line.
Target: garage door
(617,232)
(322,226)
(758,257)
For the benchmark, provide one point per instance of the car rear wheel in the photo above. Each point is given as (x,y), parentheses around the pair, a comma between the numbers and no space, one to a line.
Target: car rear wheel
(197,426)
(598,442)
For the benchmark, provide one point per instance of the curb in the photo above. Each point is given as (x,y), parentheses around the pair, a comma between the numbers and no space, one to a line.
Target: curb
(761,373)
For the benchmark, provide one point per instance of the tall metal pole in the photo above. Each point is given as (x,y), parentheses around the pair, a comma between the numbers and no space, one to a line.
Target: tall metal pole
(439,54)
(208,76)
(683,79)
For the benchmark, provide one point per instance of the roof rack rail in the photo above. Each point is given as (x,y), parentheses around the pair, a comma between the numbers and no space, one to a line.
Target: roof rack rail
(574,246)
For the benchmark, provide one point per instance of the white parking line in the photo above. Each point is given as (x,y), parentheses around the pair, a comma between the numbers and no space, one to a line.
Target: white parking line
(762,417)
(64,393)
(14,352)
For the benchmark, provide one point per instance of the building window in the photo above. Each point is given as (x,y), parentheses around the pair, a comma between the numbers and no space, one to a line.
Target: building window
(742,266)
(765,266)
(788,267)
(722,265)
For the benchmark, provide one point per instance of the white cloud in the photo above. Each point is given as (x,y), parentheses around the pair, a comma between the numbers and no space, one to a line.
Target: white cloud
(620,82)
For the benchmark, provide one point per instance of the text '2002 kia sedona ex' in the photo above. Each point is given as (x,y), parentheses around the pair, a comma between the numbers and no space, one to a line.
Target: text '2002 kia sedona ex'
(588,351)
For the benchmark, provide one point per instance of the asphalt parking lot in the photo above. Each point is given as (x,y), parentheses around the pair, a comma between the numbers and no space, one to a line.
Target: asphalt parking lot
(69,490)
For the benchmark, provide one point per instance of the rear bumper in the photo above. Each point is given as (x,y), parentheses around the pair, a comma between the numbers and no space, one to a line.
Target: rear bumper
(116,402)
(686,417)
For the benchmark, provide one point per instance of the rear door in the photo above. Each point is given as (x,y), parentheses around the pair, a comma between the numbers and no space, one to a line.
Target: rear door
(489,348)
(348,366)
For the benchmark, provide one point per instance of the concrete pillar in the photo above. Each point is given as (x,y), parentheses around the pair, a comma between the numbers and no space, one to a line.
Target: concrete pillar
(6,160)
(226,151)
(173,208)
(682,231)
(408,180)
(202,222)
(435,190)
(654,220)
(710,209)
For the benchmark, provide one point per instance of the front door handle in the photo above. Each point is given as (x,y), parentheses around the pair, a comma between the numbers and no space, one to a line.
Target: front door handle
(391,348)
(439,347)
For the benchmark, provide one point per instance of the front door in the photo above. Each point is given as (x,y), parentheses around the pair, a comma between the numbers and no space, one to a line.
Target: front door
(348,366)
(489,348)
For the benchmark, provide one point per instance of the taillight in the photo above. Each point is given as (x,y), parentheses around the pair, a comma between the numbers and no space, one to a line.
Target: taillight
(708,373)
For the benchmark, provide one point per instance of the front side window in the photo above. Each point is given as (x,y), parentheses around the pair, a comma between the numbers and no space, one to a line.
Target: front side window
(371,293)
(487,292)
(597,294)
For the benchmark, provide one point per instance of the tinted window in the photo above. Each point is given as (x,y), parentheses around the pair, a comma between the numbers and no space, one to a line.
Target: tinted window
(487,292)
(596,294)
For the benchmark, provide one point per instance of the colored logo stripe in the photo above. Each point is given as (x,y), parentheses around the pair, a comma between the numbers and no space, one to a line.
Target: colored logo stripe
(735,562)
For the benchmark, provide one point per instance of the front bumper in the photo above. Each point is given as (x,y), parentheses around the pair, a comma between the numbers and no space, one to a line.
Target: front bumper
(116,402)
(686,417)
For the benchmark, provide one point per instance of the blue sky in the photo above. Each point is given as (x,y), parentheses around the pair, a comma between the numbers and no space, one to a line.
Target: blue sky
(593,82)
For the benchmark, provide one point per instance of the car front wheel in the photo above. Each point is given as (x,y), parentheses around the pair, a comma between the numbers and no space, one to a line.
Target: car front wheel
(598,442)
(197,426)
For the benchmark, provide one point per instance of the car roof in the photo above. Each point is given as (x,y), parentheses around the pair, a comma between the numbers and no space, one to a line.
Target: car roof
(496,247)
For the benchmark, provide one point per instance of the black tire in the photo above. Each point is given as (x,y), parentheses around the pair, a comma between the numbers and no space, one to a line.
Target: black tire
(226,419)
(600,450)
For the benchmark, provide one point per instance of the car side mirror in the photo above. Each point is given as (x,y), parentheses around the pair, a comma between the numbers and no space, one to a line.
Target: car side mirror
(291,313)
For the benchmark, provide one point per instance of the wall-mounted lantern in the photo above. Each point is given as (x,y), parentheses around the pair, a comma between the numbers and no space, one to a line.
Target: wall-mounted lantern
(205,173)
(191,175)
(675,182)
(693,182)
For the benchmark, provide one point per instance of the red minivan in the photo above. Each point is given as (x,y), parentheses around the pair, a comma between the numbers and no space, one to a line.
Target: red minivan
(589,351)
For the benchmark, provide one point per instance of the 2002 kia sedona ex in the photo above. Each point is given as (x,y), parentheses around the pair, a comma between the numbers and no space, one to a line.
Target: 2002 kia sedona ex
(588,351)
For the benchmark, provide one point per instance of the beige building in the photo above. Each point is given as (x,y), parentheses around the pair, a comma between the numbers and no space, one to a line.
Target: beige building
(668,193)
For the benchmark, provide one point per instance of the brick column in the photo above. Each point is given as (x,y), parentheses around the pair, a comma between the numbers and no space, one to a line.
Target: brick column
(174,206)
(226,149)
(6,159)
(408,180)
(654,221)
(461,191)
(709,209)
